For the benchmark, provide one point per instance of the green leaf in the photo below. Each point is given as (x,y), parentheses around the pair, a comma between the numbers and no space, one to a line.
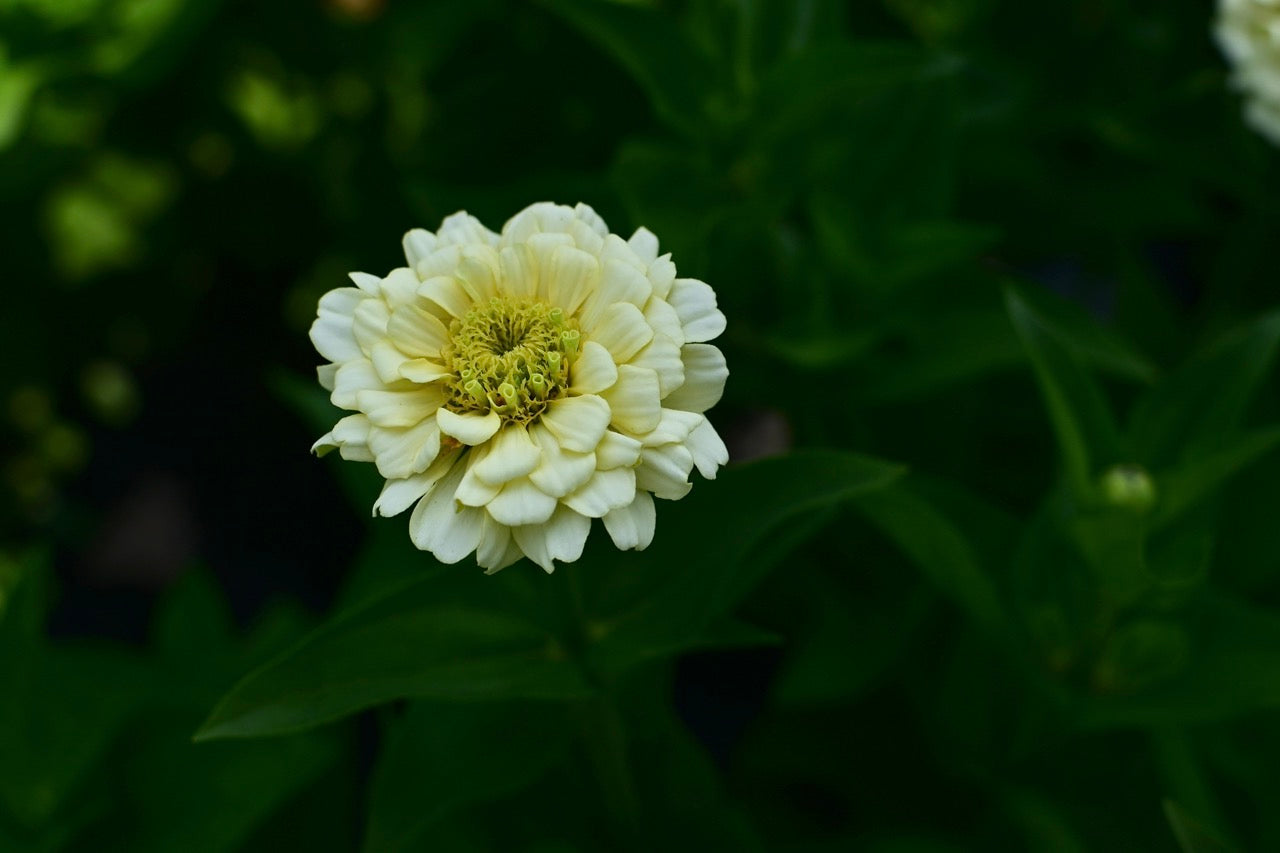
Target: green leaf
(674,73)
(1082,421)
(452,634)
(1183,487)
(440,757)
(1232,667)
(1192,836)
(1197,408)
(939,550)
(698,566)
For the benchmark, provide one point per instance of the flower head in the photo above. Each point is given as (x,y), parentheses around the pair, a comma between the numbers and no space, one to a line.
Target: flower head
(512,387)
(1249,33)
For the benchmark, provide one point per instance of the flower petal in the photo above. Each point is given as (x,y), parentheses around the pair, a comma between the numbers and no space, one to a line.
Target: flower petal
(370,284)
(353,429)
(695,302)
(478,272)
(440,526)
(622,330)
(495,544)
(445,291)
(594,370)
(662,274)
(662,356)
(473,491)
(387,360)
(632,526)
(423,370)
(404,452)
(570,277)
(469,428)
(617,451)
(635,400)
(619,282)
(511,454)
(400,408)
(705,373)
(350,379)
(560,471)
(605,491)
(417,332)
(332,333)
(521,502)
(399,494)
(400,287)
(461,228)
(665,471)
(370,323)
(707,448)
(676,425)
(578,423)
(326,374)
(566,534)
(418,244)
(519,271)
(644,244)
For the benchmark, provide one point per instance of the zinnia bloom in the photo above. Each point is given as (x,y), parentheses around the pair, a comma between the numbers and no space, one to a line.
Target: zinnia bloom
(1249,33)
(515,386)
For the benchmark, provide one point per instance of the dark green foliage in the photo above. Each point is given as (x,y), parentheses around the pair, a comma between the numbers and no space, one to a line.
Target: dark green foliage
(1002,319)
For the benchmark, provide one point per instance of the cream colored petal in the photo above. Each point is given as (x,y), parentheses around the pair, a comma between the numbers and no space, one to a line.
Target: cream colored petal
(399,495)
(326,374)
(622,331)
(442,261)
(644,244)
(400,408)
(418,244)
(353,429)
(632,526)
(400,287)
(705,373)
(662,274)
(578,423)
(370,284)
(675,426)
(387,360)
(470,428)
(593,370)
(665,471)
(473,491)
(695,302)
(585,237)
(495,545)
(587,215)
(566,534)
(619,282)
(634,399)
(440,526)
(352,378)
(370,323)
(417,332)
(572,275)
(519,228)
(332,333)
(422,371)
(512,454)
(665,321)
(707,449)
(617,451)
(559,471)
(519,271)
(461,228)
(521,502)
(406,451)
(445,291)
(478,272)
(532,541)
(662,356)
(605,491)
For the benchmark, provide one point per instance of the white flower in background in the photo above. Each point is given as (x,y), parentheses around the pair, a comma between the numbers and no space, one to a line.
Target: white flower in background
(1249,34)
(517,385)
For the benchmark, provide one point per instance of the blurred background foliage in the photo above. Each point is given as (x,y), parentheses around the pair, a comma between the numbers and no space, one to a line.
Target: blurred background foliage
(1002,318)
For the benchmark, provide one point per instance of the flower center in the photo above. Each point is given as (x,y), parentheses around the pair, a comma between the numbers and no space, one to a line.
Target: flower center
(510,356)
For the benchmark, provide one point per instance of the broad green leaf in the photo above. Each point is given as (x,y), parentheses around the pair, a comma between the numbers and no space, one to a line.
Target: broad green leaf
(452,634)
(439,757)
(674,73)
(1082,421)
(1192,835)
(700,563)
(1232,667)
(1181,488)
(939,549)
(1197,408)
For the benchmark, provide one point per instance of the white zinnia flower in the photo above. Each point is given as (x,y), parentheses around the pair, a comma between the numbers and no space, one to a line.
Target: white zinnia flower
(1249,33)
(517,385)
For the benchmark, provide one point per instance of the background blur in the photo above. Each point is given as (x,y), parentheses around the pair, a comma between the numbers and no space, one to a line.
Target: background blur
(1008,245)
